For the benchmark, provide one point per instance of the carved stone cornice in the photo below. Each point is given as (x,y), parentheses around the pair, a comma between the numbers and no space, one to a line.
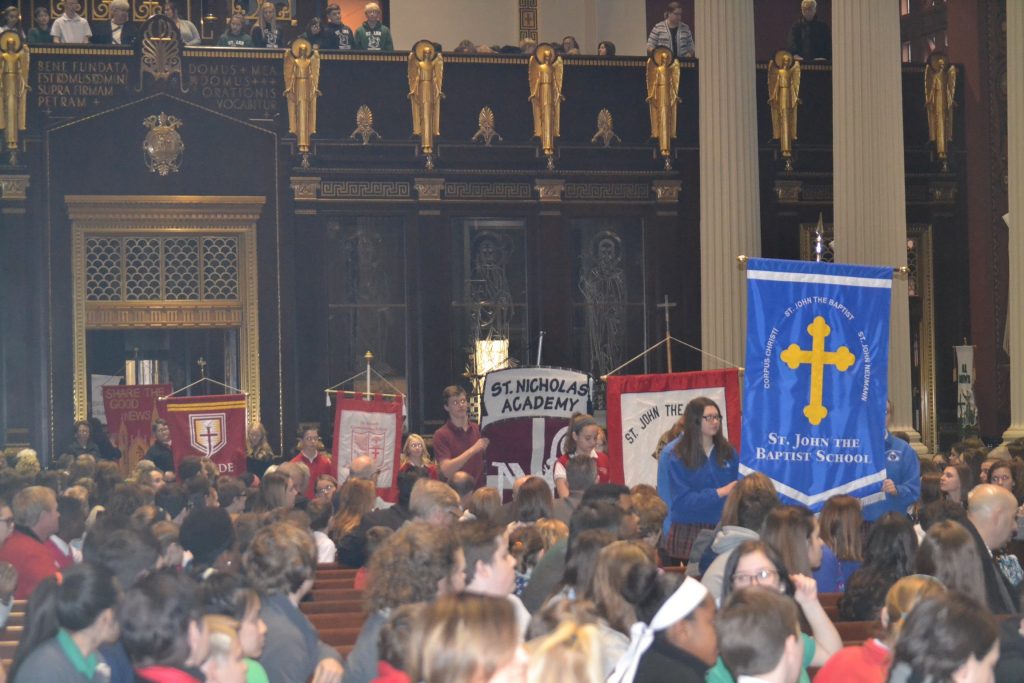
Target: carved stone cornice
(429,189)
(549,190)
(184,314)
(788,190)
(13,186)
(667,190)
(305,188)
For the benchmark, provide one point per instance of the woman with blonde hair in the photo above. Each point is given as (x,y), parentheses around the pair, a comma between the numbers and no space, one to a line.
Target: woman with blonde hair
(415,456)
(869,663)
(572,652)
(466,638)
(225,663)
(356,497)
(840,523)
(259,455)
(266,33)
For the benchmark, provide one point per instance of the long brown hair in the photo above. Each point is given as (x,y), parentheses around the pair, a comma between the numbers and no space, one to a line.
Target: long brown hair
(788,530)
(355,498)
(755,481)
(841,521)
(689,449)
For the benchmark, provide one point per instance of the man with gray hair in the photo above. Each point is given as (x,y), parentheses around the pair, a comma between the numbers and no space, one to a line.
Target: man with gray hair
(992,521)
(810,38)
(434,502)
(35,519)
(119,30)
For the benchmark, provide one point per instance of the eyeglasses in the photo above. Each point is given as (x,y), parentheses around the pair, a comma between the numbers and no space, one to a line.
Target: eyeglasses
(711,418)
(758,577)
(325,489)
(9,521)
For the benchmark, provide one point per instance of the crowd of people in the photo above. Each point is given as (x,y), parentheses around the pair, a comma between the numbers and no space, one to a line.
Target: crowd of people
(809,37)
(178,573)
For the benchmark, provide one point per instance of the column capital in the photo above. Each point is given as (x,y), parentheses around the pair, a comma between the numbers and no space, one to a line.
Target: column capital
(429,189)
(13,186)
(305,188)
(667,190)
(549,190)
(788,191)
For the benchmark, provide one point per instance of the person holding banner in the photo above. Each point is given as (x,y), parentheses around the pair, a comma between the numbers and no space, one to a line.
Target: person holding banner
(696,471)
(458,445)
(902,486)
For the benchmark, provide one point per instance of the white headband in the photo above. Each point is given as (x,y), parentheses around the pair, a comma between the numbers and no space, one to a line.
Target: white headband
(687,598)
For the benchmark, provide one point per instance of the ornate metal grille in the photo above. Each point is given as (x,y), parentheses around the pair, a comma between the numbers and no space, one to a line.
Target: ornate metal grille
(149,268)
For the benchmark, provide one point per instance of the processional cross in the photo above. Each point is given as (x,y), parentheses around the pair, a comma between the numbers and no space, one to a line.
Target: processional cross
(817,358)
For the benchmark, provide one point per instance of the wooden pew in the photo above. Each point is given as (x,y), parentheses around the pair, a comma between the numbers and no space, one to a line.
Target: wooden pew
(333,607)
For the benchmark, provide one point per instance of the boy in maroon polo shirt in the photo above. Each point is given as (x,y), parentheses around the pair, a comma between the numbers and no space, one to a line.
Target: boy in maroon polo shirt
(458,445)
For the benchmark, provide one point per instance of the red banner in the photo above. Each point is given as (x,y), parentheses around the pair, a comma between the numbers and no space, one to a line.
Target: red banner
(130,412)
(641,408)
(208,426)
(523,445)
(372,428)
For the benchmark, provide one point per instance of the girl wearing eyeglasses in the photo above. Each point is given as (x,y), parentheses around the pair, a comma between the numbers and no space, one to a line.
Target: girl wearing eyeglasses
(755,563)
(696,472)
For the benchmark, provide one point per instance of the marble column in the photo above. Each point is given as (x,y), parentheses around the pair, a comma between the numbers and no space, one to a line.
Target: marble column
(1015,148)
(870,200)
(730,210)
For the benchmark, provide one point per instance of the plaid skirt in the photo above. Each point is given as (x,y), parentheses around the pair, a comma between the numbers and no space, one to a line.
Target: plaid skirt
(680,539)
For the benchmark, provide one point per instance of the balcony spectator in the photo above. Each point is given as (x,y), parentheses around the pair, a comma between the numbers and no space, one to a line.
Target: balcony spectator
(373,35)
(344,39)
(235,36)
(70,27)
(119,30)
(810,38)
(606,48)
(570,46)
(39,34)
(672,33)
(319,37)
(189,32)
(12,22)
(266,33)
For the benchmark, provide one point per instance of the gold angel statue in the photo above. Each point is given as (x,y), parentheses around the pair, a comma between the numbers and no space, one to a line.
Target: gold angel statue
(546,96)
(663,98)
(13,89)
(784,99)
(301,88)
(426,73)
(939,91)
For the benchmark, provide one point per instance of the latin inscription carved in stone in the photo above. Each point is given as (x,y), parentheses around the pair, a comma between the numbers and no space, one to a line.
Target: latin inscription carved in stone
(73,85)
(248,89)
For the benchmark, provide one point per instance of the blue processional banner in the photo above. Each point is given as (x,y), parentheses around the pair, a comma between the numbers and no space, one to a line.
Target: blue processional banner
(816,378)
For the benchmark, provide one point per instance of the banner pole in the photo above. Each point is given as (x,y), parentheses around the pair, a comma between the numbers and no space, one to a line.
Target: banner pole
(668,331)
(369,376)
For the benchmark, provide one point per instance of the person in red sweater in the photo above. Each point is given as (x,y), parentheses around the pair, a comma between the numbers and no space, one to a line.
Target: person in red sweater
(35,519)
(869,663)
(317,462)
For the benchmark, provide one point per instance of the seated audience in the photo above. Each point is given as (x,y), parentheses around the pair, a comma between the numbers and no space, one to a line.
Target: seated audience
(526,546)
(162,629)
(231,596)
(759,637)
(35,518)
(869,663)
(317,463)
(466,638)
(209,536)
(235,36)
(259,455)
(792,532)
(571,652)
(810,37)
(490,567)
(373,35)
(415,455)
(352,546)
(189,32)
(69,534)
(280,563)
(674,639)
(319,511)
(532,501)
(956,482)
(946,638)
(39,34)
(755,563)
(484,503)
(65,625)
(992,522)
(841,523)
(672,33)
(889,555)
(417,563)
(224,662)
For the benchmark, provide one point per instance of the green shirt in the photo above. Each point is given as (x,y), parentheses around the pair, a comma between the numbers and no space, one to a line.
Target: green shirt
(256,673)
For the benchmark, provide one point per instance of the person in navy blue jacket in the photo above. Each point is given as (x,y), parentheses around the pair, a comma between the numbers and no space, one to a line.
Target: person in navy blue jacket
(696,471)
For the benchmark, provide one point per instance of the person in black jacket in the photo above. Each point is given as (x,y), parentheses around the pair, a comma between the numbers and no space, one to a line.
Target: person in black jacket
(119,30)
(810,38)
(160,452)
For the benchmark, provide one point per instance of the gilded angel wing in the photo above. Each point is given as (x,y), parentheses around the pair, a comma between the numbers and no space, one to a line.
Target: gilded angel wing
(23,85)
(314,86)
(3,98)
(534,74)
(773,98)
(413,73)
(289,74)
(438,77)
(556,71)
(673,93)
(794,99)
(950,97)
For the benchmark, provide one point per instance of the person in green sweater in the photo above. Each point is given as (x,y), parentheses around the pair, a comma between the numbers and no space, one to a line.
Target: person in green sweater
(373,35)
(234,36)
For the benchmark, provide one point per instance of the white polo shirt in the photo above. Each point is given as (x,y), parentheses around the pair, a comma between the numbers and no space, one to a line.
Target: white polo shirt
(68,30)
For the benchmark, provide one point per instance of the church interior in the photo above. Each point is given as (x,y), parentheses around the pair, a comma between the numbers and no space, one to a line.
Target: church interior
(266,217)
